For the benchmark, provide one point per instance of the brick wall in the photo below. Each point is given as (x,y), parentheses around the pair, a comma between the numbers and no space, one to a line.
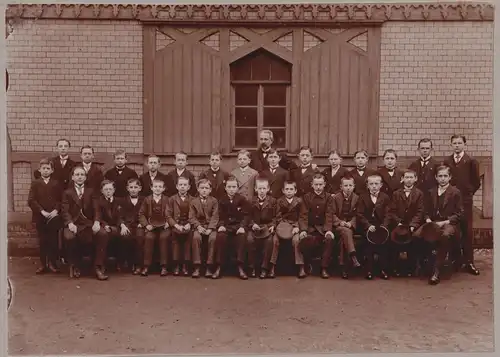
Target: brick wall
(75,79)
(436,79)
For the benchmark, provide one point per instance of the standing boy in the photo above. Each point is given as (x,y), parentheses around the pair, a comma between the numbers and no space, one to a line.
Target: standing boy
(92,170)
(391,176)
(303,175)
(361,172)
(181,161)
(152,174)
(262,222)
(181,230)
(275,174)
(120,174)
(425,166)
(153,217)
(334,173)
(216,175)
(203,217)
(245,175)
(465,177)
(62,165)
(231,234)
(315,224)
(44,199)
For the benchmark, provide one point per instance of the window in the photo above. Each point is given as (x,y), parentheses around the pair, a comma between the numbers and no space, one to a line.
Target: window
(261,92)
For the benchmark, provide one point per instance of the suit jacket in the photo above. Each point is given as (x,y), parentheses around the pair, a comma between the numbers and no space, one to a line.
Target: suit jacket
(206,215)
(338,200)
(259,163)
(233,215)
(452,209)
(94,178)
(409,210)
(61,174)
(107,213)
(263,215)
(276,180)
(246,182)
(391,183)
(370,214)
(303,180)
(146,182)
(78,211)
(288,212)
(120,179)
(360,181)
(218,180)
(174,209)
(333,183)
(464,175)
(129,214)
(44,197)
(316,213)
(146,210)
(426,175)
(171,182)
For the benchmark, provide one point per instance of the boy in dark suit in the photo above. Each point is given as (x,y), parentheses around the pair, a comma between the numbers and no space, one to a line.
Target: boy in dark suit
(178,219)
(444,207)
(465,177)
(315,224)
(62,165)
(152,174)
(93,170)
(391,176)
(120,174)
(304,174)
(153,217)
(334,173)
(216,176)
(78,216)
(107,219)
(344,222)
(203,217)
(181,161)
(262,222)
(361,172)
(275,174)
(130,228)
(288,211)
(231,234)
(44,199)
(406,209)
(373,207)
(425,166)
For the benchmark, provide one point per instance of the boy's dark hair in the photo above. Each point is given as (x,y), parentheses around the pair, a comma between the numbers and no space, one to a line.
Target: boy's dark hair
(46,161)
(182,178)
(181,153)
(232,178)
(289,182)
(424,140)
(63,139)
(319,176)
(390,151)
(78,167)
(107,182)
(346,178)
(204,181)
(307,148)
(410,171)
(456,136)
(120,152)
(334,152)
(157,180)
(134,180)
(86,147)
(362,151)
(443,167)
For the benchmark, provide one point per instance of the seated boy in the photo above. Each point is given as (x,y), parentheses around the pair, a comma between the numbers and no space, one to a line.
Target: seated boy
(373,207)
(178,220)
(406,209)
(203,217)
(44,199)
(153,217)
(130,227)
(344,222)
(231,234)
(444,207)
(78,216)
(315,224)
(262,222)
(287,216)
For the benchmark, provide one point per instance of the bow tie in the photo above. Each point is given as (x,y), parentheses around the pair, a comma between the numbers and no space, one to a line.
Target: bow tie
(408,189)
(262,200)
(374,195)
(390,170)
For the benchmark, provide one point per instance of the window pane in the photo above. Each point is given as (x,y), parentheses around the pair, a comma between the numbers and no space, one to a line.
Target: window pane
(275,94)
(246,138)
(246,94)
(281,71)
(275,117)
(279,137)
(245,116)
(241,71)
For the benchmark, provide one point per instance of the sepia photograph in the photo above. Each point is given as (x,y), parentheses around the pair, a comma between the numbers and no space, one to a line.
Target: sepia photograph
(249,178)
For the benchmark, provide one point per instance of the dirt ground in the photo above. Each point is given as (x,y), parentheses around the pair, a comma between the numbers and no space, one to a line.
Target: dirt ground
(54,315)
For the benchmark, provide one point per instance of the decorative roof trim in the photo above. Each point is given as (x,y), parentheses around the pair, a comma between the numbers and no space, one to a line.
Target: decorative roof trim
(282,13)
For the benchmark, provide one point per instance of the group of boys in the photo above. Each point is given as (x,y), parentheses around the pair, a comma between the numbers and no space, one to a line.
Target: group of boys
(425,211)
